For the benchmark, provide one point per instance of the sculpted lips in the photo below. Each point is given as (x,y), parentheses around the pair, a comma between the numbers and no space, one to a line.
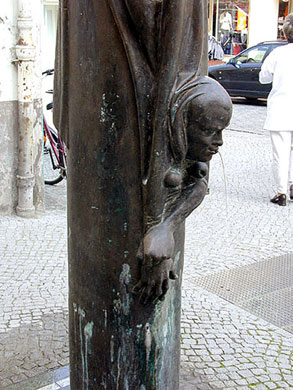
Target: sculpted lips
(213,151)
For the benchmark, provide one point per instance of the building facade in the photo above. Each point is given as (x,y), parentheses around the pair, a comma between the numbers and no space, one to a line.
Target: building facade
(22,61)
(241,23)
(28,31)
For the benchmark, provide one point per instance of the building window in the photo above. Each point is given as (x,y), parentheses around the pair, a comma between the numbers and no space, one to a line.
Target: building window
(283,12)
(50,16)
(229,24)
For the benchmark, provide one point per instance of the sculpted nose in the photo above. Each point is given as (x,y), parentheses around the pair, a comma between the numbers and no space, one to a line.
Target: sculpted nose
(218,140)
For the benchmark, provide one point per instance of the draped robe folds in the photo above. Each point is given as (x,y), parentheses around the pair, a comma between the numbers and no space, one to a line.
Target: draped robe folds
(118,65)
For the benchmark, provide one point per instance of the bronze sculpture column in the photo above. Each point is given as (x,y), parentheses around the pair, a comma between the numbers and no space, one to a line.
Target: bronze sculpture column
(141,122)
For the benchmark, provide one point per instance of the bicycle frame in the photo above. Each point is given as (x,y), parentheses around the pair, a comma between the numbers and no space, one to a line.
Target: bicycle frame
(54,148)
(56,145)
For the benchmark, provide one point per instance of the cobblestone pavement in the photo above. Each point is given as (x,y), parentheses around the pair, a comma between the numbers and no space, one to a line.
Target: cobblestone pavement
(33,292)
(248,117)
(223,346)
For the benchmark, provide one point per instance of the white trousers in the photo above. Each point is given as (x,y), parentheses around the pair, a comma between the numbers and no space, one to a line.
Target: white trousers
(282,144)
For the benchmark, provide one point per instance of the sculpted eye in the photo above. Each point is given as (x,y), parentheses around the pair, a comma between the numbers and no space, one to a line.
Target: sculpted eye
(209,132)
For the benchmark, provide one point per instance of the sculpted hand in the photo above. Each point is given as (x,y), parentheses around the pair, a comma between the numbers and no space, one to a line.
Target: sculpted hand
(157,266)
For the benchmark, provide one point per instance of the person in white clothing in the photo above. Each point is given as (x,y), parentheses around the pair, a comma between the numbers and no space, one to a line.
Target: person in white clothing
(277,68)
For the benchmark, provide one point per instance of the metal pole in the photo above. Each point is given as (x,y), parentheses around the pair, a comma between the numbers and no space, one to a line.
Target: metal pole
(25,53)
(117,193)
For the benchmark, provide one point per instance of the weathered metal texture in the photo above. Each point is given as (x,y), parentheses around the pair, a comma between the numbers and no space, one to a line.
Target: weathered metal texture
(125,80)
(25,53)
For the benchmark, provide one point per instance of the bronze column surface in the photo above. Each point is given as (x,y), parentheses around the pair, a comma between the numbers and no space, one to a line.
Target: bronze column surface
(141,122)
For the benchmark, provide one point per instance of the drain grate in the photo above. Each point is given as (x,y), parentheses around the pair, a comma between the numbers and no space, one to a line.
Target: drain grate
(264,289)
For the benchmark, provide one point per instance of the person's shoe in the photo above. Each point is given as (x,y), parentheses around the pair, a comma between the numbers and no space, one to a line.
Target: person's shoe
(291,191)
(279,199)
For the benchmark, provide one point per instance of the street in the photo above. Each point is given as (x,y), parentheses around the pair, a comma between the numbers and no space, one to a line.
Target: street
(237,316)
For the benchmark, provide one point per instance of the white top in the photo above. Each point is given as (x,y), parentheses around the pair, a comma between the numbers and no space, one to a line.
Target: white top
(278,68)
(226,21)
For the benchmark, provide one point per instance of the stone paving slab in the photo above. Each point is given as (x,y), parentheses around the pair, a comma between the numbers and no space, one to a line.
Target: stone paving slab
(29,349)
(264,288)
(236,226)
(48,380)
(59,380)
(244,118)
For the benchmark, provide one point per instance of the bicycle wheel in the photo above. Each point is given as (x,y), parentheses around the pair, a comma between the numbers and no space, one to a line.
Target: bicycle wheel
(52,175)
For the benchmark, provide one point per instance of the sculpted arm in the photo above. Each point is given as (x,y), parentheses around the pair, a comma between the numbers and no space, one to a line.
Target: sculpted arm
(206,113)
(157,249)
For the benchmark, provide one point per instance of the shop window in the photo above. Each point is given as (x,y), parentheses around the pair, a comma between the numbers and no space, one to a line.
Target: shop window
(230,21)
(283,12)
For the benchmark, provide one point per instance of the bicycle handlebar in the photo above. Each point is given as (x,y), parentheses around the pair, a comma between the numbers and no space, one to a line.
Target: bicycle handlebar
(48,72)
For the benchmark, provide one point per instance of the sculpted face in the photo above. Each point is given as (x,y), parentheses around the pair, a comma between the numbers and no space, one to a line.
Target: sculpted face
(204,126)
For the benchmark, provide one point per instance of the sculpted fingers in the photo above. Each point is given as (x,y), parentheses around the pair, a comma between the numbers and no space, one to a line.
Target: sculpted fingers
(143,297)
(172,274)
(156,274)
(146,291)
(136,289)
(151,286)
(165,286)
(159,290)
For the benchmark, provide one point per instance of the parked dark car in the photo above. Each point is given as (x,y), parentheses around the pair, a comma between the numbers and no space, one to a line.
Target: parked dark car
(239,76)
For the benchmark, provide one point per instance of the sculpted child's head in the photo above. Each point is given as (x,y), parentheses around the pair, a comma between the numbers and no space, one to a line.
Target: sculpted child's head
(206,116)
(201,111)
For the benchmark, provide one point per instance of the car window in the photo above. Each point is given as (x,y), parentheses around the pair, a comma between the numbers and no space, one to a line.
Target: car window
(255,54)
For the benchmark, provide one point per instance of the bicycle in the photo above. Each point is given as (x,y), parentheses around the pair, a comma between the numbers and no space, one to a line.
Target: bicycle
(54,150)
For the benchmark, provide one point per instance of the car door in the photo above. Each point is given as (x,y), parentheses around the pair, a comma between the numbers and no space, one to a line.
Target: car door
(240,77)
